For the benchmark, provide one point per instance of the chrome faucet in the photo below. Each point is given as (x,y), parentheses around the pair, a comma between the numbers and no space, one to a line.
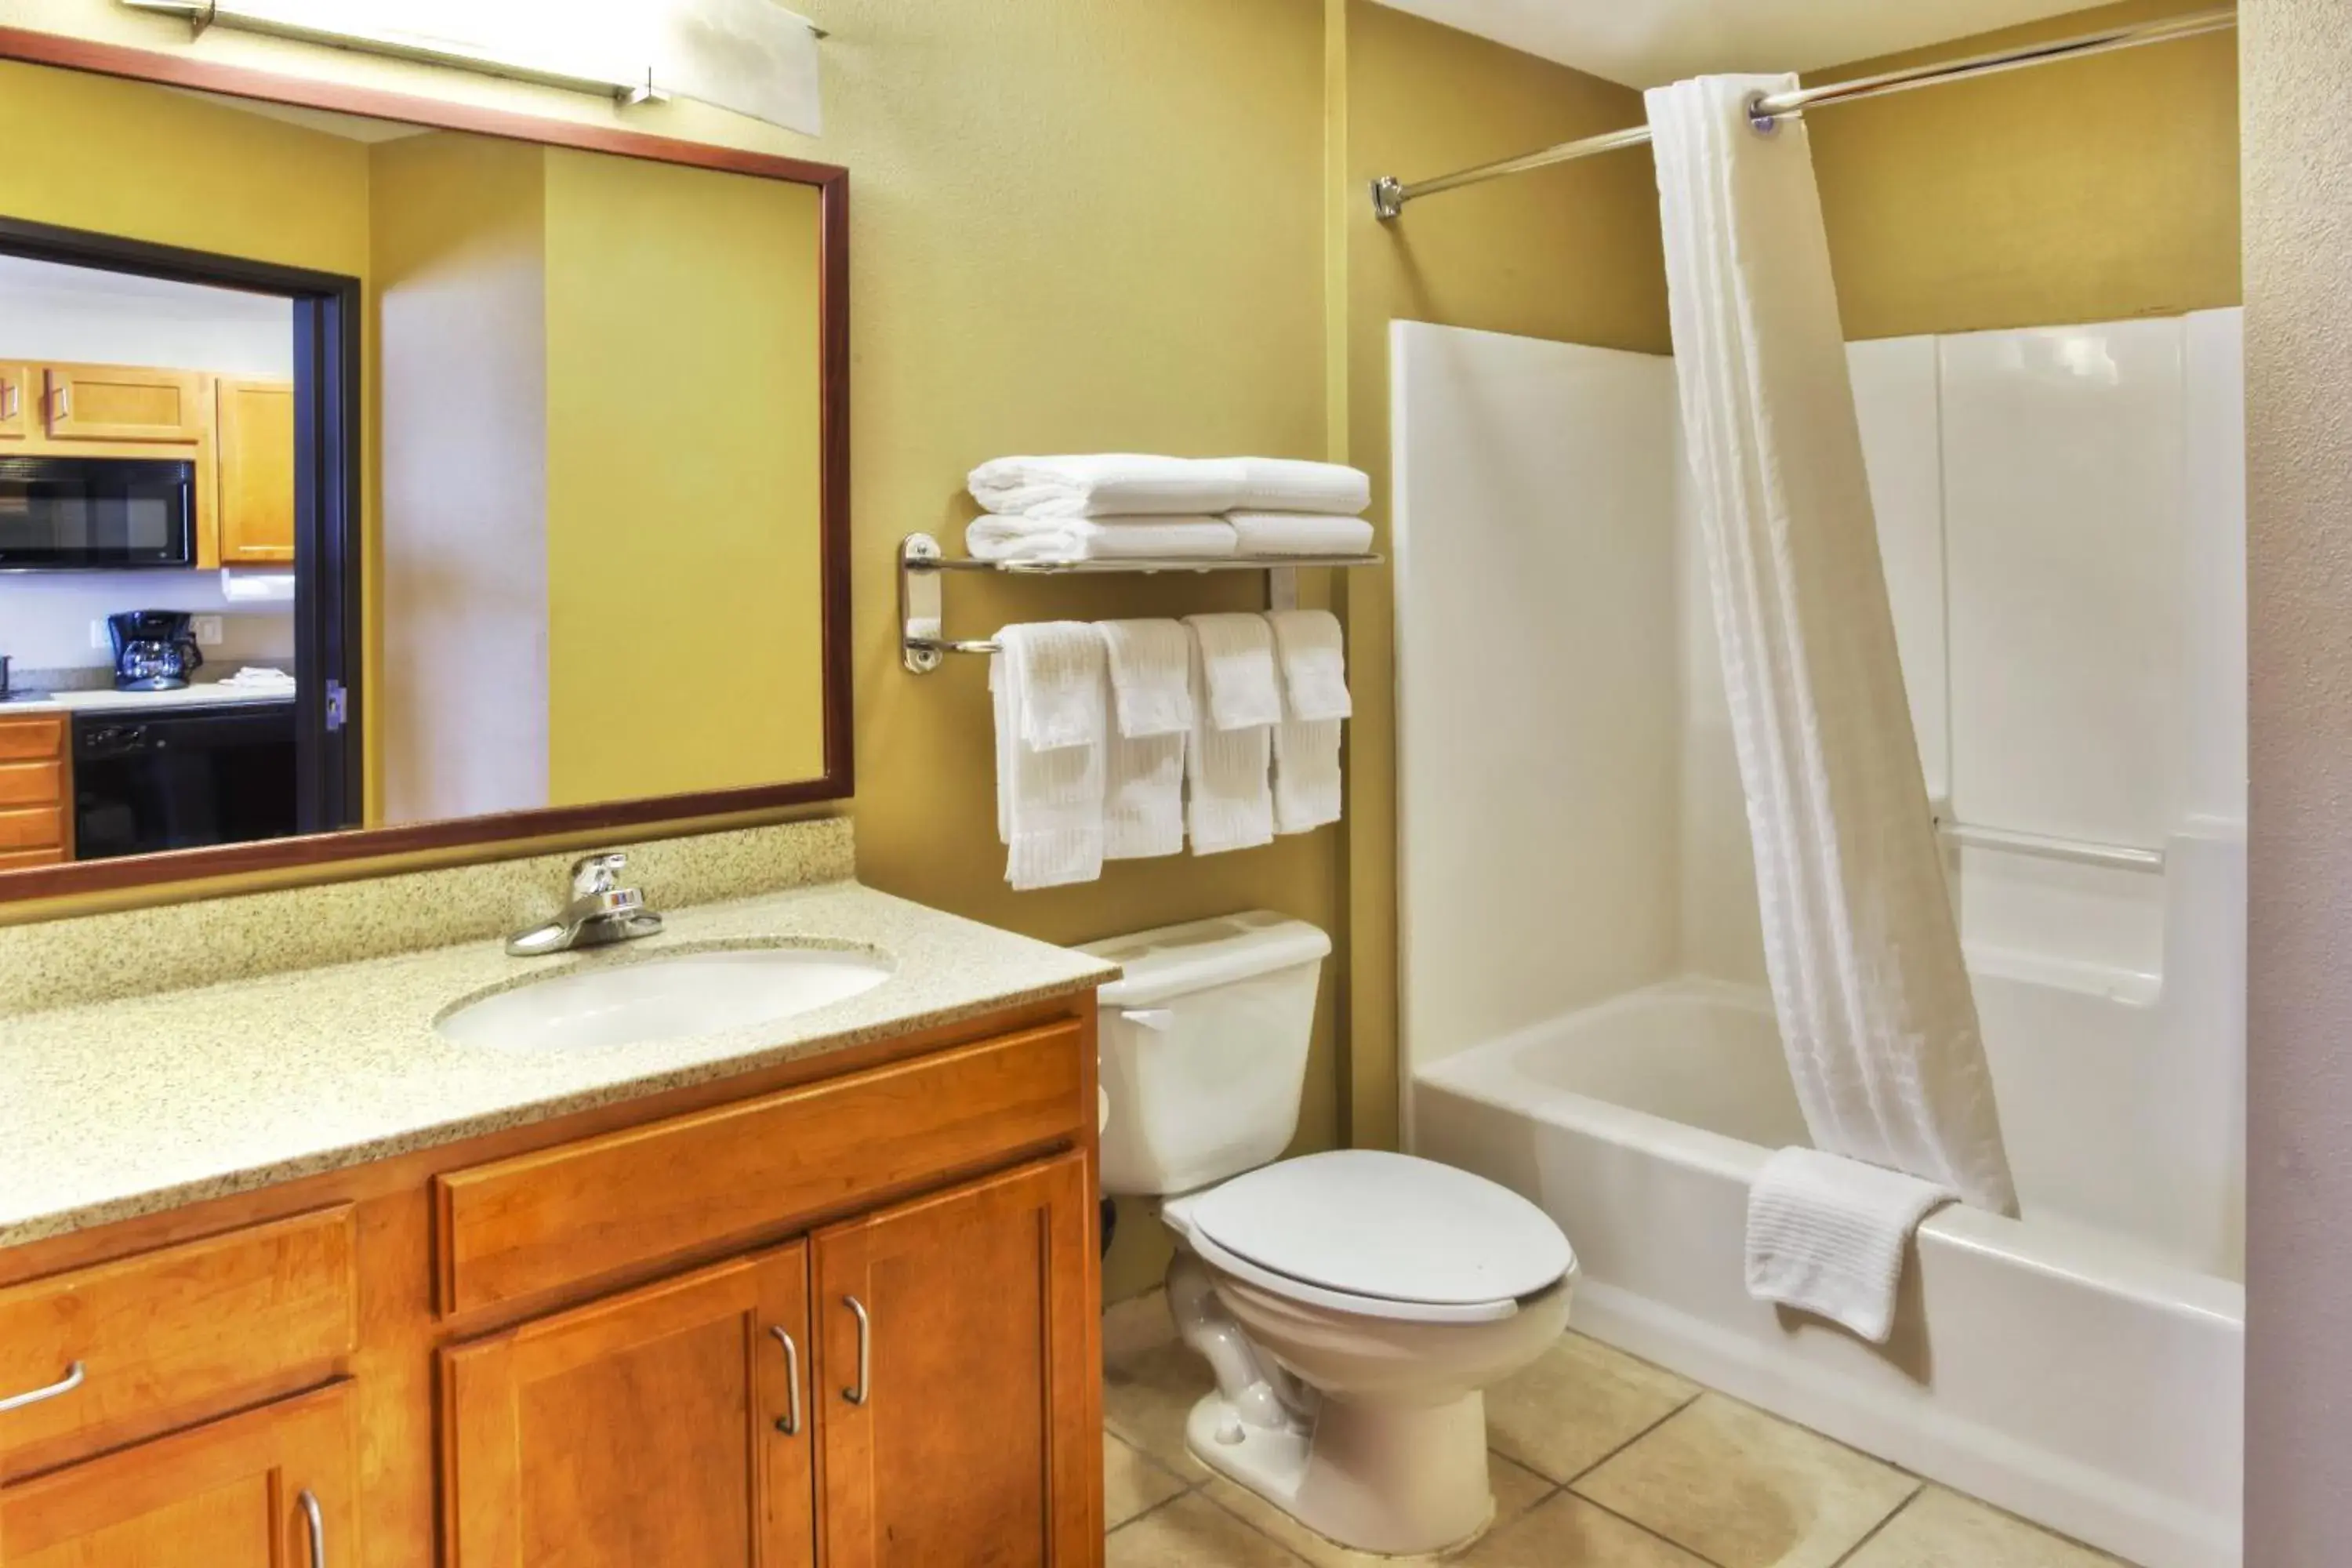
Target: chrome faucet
(602,911)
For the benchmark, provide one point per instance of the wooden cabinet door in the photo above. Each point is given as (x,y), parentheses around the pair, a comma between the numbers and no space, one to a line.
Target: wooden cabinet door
(256,470)
(123,403)
(959,1377)
(20,394)
(269,1489)
(665,1428)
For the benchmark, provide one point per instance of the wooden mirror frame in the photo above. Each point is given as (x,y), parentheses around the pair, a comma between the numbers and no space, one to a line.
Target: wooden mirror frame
(325,849)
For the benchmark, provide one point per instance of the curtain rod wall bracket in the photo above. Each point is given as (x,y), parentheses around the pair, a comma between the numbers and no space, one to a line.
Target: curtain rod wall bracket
(1387,198)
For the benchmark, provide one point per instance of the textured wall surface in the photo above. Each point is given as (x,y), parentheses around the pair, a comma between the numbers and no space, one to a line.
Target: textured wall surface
(2299,178)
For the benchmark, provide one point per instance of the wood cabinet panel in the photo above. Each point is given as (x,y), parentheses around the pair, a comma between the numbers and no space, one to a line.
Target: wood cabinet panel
(10,859)
(32,738)
(20,395)
(32,783)
(667,1427)
(235,1494)
(123,402)
(515,1227)
(32,828)
(176,1334)
(965,1407)
(255,464)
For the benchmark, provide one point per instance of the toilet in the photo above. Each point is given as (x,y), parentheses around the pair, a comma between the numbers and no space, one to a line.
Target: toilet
(1353,1305)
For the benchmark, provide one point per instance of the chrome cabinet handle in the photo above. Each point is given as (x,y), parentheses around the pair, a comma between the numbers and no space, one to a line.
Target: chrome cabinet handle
(14,400)
(864,1389)
(61,402)
(65,1384)
(317,1522)
(789,1424)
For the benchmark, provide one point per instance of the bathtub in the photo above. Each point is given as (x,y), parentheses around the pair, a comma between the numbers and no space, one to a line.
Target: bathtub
(2084,1379)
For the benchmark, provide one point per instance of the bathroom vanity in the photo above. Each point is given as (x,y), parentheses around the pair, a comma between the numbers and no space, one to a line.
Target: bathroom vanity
(317,1285)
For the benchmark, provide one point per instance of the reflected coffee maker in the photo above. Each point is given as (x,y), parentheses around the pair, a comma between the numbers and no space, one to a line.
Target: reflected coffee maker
(154,650)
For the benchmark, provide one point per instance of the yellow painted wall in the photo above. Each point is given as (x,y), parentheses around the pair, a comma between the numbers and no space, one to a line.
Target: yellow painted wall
(1571,253)
(683,581)
(2092,190)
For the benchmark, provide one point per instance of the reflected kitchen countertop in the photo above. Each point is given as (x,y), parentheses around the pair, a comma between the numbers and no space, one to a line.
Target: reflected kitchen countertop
(203,694)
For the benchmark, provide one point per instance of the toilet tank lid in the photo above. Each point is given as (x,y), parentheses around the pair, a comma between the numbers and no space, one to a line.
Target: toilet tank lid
(1178,960)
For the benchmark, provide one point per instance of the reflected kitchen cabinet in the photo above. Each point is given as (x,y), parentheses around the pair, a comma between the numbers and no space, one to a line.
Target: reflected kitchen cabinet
(255,470)
(123,402)
(19,393)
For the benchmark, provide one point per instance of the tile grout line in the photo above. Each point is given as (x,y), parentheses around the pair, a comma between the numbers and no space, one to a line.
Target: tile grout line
(1897,1511)
(1629,1442)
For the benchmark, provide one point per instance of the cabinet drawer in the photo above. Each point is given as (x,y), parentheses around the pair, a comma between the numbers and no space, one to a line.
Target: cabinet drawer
(32,783)
(176,1335)
(37,739)
(515,1227)
(39,827)
(17,860)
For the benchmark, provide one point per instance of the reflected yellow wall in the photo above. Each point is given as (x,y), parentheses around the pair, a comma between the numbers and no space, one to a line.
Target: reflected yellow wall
(683,550)
(2096,190)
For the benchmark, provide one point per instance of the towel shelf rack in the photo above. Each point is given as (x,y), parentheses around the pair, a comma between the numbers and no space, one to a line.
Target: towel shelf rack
(924,643)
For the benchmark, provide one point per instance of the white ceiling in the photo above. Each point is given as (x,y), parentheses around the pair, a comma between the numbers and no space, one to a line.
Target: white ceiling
(1643,42)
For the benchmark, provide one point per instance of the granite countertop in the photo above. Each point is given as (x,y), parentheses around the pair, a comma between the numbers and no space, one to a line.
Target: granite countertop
(115,1109)
(203,694)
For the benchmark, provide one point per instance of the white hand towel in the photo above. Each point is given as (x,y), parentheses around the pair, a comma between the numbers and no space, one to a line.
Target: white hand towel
(1299,533)
(1049,802)
(1143,796)
(1151,676)
(1827,1235)
(1056,670)
(1307,792)
(1228,796)
(1311,654)
(1109,484)
(994,538)
(1237,662)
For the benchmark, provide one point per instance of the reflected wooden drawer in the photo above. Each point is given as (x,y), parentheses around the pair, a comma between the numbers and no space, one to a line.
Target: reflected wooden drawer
(17,860)
(39,827)
(176,1335)
(32,783)
(37,738)
(538,1222)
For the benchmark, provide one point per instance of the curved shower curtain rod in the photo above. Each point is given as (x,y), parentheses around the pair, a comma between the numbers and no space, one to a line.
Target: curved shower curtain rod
(1390,195)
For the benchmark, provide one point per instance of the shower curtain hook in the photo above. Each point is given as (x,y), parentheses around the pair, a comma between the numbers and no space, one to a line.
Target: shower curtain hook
(1759,121)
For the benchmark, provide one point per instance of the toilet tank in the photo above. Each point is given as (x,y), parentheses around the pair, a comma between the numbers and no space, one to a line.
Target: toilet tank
(1204,1042)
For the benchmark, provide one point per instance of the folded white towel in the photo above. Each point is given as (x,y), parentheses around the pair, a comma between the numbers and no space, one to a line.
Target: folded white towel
(1049,800)
(1228,794)
(1827,1235)
(1057,670)
(1311,654)
(1151,676)
(1237,662)
(994,538)
(1107,484)
(1299,533)
(1307,792)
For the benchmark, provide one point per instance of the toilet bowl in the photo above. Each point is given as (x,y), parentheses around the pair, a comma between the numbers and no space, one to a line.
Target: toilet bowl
(1352,1305)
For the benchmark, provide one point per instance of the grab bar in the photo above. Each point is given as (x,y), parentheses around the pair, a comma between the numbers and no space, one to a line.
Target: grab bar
(2081,851)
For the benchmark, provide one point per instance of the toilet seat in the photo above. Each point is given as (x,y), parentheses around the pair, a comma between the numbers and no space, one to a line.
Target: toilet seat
(1377,1235)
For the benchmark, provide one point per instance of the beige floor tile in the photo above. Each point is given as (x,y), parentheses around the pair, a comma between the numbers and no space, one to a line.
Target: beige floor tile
(1517,1489)
(1136,1325)
(1577,1405)
(1192,1533)
(1147,1396)
(1566,1531)
(1133,1482)
(1745,1490)
(1940,1529)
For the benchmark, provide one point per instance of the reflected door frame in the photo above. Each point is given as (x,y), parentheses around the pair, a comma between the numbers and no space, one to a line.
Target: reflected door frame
(331,780)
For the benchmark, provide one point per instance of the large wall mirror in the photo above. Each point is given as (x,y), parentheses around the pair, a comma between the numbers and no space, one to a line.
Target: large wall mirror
(377,474)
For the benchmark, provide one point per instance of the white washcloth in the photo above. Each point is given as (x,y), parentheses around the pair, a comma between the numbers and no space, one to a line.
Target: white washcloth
(1109,484)
(1057,670)
(1827,1235)
(1150,676)
(1143,796)
(1228,794)
(994,538)
(1049,801)
(1306,788)
(1299,533)
(1237,665)
(1311,654)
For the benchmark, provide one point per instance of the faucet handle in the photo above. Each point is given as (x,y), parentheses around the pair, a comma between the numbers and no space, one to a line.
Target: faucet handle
(597,875)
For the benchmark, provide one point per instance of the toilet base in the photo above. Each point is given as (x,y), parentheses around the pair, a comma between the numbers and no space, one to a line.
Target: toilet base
(1396,1480)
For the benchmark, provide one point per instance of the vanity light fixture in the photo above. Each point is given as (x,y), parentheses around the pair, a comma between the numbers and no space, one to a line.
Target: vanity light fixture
(365,28)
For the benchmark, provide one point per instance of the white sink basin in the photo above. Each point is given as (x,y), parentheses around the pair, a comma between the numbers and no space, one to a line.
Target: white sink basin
(619,1003)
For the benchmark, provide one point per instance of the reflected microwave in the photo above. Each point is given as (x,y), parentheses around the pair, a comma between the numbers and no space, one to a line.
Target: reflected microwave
(81,514)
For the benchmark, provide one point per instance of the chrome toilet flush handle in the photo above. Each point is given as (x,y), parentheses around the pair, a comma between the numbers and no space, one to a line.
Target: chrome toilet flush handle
(65,1384)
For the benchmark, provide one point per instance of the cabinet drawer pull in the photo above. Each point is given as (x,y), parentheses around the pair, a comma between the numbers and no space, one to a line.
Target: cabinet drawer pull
(864,1389)
(65,1384)
(789,1424)
(317,1523)
(61,403)
(10,400)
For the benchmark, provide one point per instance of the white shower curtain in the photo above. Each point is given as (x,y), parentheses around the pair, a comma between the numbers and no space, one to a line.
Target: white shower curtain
(1859,934)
